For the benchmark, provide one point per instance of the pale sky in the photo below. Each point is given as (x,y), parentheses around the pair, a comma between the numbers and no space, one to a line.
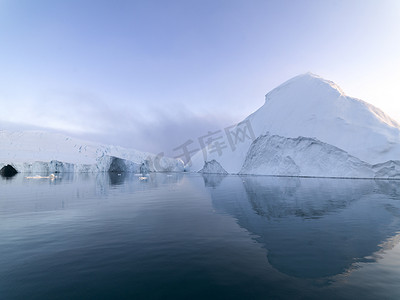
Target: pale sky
(152,74)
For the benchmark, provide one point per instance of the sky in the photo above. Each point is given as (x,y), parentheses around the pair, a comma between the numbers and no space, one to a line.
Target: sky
(152,74)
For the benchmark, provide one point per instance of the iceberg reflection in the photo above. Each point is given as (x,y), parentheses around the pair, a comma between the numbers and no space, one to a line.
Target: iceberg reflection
(313,228)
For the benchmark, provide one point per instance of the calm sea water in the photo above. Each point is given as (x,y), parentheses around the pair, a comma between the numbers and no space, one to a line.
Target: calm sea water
(188,236)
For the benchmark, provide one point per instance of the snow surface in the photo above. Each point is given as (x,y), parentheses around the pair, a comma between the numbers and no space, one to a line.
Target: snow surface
(43,152)
(310,106)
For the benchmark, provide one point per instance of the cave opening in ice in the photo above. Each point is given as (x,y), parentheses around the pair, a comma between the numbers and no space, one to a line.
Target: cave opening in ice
(117,165)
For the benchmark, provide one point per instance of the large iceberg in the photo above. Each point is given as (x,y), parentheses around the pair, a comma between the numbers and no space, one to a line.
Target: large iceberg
(355,137)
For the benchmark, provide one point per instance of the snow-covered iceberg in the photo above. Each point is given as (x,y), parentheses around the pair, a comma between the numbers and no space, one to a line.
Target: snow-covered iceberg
(353,134)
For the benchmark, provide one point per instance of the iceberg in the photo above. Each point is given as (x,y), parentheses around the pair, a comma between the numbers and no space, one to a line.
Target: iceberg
(212,167)
(309,127)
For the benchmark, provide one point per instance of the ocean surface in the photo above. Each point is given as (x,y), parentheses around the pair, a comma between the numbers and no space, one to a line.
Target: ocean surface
(191,236)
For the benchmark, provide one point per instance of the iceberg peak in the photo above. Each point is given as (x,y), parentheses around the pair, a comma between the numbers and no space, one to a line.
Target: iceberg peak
(303,83)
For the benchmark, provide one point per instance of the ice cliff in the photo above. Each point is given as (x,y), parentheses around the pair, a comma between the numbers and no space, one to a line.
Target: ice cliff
(276,155)
(43,152)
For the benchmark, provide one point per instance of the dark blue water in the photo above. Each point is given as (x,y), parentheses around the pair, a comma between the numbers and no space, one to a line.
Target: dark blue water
(186,236)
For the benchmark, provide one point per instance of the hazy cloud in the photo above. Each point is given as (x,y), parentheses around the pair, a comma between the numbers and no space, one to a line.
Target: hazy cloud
(87,116)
